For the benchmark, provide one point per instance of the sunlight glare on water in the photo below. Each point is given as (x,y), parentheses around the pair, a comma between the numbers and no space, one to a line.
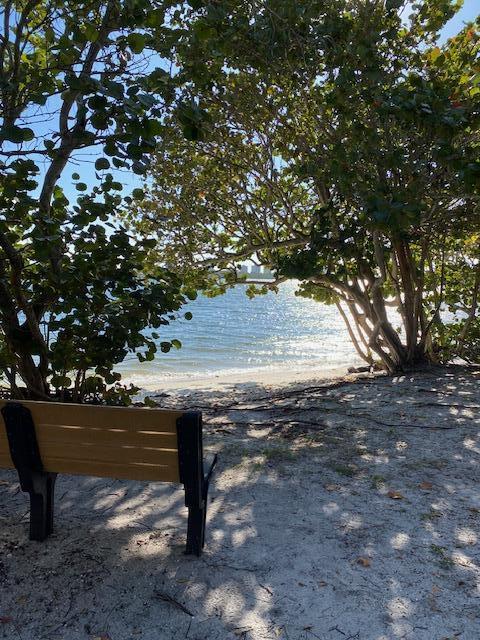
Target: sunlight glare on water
(232,333)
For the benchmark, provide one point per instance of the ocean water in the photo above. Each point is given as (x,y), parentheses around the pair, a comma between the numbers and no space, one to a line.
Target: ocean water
(233,334)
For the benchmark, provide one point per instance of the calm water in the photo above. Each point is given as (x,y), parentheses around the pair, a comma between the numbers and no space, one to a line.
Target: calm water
(231,334)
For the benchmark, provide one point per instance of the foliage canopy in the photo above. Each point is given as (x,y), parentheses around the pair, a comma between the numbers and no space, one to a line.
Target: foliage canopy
(338,143)
(81,85)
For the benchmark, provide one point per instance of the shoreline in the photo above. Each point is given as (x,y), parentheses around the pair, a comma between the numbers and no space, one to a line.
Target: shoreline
(244,380)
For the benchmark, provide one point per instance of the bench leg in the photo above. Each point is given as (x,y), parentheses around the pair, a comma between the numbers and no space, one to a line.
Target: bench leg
(197,518)
(25,454)
(196,530)
(192,475)
(41,490)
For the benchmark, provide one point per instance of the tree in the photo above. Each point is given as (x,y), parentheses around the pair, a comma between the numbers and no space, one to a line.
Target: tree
(81,85)
(338,144)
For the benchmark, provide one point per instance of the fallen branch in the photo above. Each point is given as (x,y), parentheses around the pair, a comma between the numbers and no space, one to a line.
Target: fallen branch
(165,597)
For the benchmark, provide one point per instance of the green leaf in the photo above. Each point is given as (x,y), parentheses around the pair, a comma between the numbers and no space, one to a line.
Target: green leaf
(155,17)
(102,163)
(115,89)
(435,53)
(136,42)
(16,134)
(191,132)
(110,149)
(149,402)
(61,381)
(188,315)
(393,4)
(139,168)
(97,102)
(91,32)
(153,128)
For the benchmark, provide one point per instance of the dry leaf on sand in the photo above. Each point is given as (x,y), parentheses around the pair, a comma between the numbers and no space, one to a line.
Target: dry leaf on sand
(395,495)
(364,562)
(426,486)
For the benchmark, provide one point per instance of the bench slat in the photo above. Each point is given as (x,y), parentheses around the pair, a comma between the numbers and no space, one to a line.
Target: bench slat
(129,471)
(96,453)
(113,437)
(116,471)
(116,442)
(127,418)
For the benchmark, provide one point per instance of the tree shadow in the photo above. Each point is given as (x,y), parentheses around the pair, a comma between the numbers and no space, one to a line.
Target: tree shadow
(348,510)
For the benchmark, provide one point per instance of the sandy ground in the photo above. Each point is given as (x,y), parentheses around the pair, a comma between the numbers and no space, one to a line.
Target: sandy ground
(340,510)
(253,378)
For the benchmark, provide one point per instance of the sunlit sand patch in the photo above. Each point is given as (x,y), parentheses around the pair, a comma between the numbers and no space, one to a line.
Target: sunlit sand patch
(229,601)
(241,536)
(465,561)
(141,544)
(108,500)
(400,541)
(128,503)
(466,536)
(330,508)
(196,590)
(442,505)
(401,629)
(471,445)
(450,488)
(399,608)
(259,434)
(237,515)
(351,522)
(240,478)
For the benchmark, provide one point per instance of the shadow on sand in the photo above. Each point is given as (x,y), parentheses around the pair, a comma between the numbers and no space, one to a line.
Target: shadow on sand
(342,511)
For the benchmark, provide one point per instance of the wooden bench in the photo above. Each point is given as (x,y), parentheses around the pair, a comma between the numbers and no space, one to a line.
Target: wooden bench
(41,439)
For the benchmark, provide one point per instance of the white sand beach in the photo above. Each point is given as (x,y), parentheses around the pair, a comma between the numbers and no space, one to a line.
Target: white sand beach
(345,508)
(224,381)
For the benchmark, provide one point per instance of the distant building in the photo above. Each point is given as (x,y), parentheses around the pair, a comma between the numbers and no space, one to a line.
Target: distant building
(254,272)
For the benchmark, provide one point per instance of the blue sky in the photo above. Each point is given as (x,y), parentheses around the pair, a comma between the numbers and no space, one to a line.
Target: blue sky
(469,11)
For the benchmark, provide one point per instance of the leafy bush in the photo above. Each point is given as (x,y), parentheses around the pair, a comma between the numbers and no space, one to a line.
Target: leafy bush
(76,80)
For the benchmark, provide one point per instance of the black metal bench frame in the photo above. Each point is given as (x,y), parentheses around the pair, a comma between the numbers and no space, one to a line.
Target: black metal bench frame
(40,484)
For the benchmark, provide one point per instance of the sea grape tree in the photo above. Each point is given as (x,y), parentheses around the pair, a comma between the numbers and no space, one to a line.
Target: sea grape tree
(83,88)
(337,143)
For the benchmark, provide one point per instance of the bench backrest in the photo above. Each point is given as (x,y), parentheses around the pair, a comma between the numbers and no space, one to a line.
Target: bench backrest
(114,442)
